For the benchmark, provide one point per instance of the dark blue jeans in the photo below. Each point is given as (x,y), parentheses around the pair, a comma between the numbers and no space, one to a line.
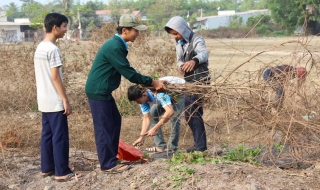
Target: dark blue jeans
(55,143)
(107,126)
(193,115)
(277,86)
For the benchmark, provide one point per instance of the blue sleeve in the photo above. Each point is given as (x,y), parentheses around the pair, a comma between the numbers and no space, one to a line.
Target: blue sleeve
(163,99)
(145,108)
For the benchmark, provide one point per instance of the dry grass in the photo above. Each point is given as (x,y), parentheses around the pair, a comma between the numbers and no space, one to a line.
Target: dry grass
(237,103)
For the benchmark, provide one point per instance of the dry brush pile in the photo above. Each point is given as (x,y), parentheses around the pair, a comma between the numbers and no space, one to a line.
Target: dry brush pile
(238,102)
(247,102)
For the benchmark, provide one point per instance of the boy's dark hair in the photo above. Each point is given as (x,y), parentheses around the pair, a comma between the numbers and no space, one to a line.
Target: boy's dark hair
(167,29)
(135,92)
(52,19)
(119,28)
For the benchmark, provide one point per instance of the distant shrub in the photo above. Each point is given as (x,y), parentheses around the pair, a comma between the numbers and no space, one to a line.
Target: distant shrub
(280,33)
(259,20)
(264,29)
(225,32)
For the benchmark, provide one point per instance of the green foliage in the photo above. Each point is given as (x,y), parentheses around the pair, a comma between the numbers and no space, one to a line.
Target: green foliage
(226,32)
(37,21)
(156,76)
(179,177)
(243,154)
(264,29)
(13,12)
(178,180)
(190,158)
(88,18)
(278,146)
(183,169)
(34,107)
(145,155)
(247,5)
(290,13)
(228,5)
(196,158)
(259,20)
(263,25)
(236,22)
(280,33)
(224,144)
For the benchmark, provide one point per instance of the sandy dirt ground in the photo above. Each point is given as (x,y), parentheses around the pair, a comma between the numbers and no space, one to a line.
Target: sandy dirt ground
(20,170)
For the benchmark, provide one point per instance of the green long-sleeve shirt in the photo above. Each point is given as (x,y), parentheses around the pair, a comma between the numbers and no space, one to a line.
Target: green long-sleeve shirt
(109,64)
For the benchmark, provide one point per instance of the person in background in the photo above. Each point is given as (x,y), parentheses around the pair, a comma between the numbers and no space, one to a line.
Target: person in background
(109,65)
(277,77)
(192,62)
(53,101)
(154,106)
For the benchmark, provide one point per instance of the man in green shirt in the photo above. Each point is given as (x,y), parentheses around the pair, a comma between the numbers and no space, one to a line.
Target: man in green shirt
(109,65)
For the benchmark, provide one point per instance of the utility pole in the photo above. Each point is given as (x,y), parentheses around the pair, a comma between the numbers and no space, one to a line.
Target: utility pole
(79,27)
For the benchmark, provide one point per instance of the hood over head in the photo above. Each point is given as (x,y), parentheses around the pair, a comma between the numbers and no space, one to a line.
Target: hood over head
(180,25)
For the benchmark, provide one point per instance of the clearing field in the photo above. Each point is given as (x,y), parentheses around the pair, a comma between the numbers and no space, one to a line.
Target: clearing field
(237,113)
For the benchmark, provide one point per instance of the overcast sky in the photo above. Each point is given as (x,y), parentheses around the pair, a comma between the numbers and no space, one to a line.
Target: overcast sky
(19,3)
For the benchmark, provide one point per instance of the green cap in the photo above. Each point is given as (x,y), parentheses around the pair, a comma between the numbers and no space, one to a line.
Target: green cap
(129,20)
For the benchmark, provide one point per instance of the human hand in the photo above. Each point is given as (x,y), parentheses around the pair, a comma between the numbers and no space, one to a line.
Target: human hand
(152,132)
(159,85)
(139,141)
(181,71)
(188,66)
(67,108)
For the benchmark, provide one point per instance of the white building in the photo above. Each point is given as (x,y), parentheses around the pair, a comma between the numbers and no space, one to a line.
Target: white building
(12,31)
(226,12)
(225,18)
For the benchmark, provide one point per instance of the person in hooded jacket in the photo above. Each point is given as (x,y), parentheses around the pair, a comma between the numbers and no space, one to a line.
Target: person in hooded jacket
(192,61)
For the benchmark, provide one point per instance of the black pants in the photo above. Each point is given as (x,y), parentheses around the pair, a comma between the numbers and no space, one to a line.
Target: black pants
(193,115)
(107,126)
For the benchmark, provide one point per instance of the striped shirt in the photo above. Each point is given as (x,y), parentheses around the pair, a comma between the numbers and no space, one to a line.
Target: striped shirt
(46,57)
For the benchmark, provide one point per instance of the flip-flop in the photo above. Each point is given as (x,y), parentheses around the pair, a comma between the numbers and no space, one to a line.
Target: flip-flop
(124,162)
(153,149)
(44,175)
(69,177)
(116,170)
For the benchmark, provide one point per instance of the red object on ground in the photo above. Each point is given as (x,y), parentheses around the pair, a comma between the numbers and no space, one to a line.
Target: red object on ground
(129,152)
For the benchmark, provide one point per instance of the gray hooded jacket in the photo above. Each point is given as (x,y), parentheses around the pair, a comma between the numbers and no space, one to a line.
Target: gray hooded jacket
(194,49)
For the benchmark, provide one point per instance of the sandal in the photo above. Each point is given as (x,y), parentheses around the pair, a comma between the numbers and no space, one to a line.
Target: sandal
(154,149)
(44,175)
(69,177)
(124,162)
(119,168)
